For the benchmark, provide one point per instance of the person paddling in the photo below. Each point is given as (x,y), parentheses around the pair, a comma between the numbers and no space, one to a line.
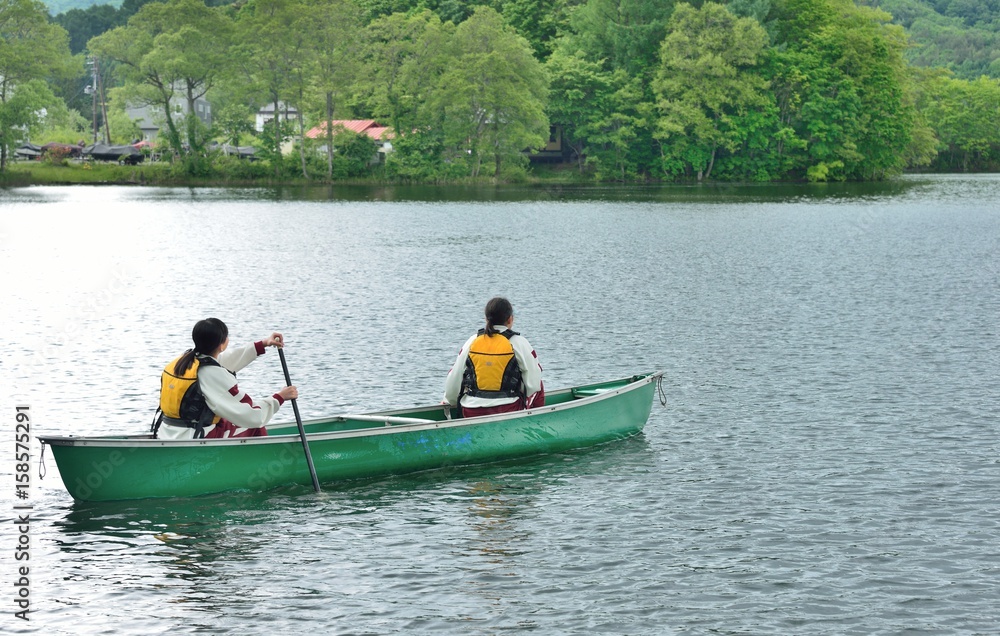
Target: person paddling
(199,396)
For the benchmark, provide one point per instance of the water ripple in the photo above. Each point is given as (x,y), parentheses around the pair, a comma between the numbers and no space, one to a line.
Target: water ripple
(827,462)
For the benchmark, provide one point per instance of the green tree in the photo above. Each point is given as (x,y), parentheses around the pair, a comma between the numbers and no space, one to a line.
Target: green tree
(622,34)
(270,53)
(63,125)
(624,37)
(964,117)
(625,126)
(840,80)
(170,52)
(708,87)
(84,24)
(539,21)
(333,31)
(31,50)
(355,154)
(756,9)
(301,45)
(123,129)
(404,57)
(581,99)
(129,8)
(949,34)
(925,89)
(492,96)
(234,121)
(375,9)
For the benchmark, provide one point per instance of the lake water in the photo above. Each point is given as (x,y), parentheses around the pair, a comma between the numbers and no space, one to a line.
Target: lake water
(828,461)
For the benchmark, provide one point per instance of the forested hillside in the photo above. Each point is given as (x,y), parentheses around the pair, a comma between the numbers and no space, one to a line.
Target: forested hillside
(61,6)
(742,90)
(960,35)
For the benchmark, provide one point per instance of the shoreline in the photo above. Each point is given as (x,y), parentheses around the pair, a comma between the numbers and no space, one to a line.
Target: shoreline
(33,173)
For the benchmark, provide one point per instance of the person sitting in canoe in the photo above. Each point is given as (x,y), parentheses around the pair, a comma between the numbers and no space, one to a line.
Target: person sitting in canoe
(497,370)
(199,396)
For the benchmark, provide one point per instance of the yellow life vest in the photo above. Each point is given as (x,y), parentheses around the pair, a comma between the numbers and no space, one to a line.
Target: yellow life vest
(181,399)
(491,370)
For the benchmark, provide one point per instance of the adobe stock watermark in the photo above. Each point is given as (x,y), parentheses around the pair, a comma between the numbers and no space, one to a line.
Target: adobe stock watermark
(22,511)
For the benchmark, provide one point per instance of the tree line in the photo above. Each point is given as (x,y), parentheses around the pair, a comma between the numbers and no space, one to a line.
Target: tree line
(960,35)
(747,90)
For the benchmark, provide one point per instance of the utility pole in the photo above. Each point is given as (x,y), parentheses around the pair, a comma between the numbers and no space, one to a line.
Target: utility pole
(104,106)
(92,89)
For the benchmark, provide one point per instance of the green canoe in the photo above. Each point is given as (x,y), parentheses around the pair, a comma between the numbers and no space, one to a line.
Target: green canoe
(350,446)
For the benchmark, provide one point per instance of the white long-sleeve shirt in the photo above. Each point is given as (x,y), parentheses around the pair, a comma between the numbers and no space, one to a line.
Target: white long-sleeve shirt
(527,361)
(224,396)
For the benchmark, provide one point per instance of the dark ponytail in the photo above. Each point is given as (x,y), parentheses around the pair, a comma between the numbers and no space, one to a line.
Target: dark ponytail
(208,335)
(498,312)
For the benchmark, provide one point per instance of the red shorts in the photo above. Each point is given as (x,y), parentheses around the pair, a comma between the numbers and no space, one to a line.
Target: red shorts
(536,399)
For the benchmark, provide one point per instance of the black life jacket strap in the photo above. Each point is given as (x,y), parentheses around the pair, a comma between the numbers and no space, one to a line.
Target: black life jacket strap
(199,426)
(208,361)
(506,333)
(205,420)
(206,416)
(154,428)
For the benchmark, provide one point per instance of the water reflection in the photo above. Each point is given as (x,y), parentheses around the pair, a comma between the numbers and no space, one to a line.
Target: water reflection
(590,192)
(494,511)
(503,499)
(496,193)
(196,551)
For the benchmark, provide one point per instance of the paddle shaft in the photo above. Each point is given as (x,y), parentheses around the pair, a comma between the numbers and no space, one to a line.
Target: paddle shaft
(298,420)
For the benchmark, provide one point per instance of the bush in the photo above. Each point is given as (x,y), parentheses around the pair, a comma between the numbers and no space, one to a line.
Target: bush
(420,156)
(231,168)
(56,156)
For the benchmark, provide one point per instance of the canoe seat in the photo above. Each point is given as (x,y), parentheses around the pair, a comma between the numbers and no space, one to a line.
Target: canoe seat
(582,393)
(387,419)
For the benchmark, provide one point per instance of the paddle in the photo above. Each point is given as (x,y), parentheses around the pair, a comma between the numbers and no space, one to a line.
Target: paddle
(298,420)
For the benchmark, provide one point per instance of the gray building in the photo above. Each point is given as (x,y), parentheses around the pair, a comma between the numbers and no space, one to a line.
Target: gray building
(149,117)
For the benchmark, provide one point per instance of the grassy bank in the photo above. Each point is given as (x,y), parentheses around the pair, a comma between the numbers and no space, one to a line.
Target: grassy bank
(25,173)
(28,173)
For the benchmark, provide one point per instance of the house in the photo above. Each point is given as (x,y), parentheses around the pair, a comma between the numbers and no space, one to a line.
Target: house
(285,113)
(380,134)
(554,151)
(149,117)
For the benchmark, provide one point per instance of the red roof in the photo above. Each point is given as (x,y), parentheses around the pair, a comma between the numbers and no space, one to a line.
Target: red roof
(366,126)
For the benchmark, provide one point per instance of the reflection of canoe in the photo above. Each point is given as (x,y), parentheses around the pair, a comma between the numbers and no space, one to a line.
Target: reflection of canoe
(349,446)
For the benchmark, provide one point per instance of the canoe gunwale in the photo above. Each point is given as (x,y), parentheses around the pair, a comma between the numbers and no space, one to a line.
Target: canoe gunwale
(632,383)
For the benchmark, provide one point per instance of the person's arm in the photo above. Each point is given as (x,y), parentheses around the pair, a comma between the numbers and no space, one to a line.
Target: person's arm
(229,402)
(453,383)
(237,358)
(531,370)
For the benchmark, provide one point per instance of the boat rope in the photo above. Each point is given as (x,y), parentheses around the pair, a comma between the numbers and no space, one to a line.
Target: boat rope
(660,392)
(41,464)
